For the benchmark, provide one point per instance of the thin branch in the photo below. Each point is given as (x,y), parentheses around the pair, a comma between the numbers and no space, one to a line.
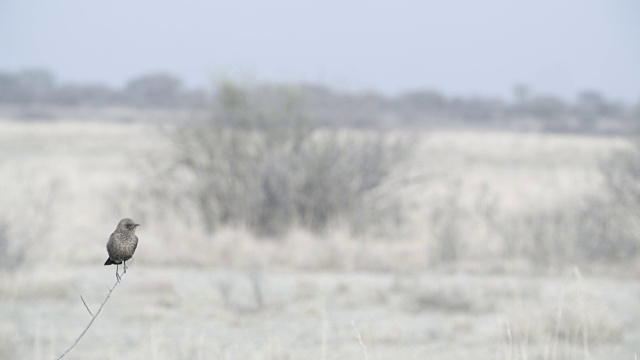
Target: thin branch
(89,324)
(364,348)
(85,305)
(93,318)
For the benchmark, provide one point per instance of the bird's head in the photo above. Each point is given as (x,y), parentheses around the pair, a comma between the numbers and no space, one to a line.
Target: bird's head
(127,224)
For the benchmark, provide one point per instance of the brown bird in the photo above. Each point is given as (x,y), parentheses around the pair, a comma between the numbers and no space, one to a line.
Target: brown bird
(122,244)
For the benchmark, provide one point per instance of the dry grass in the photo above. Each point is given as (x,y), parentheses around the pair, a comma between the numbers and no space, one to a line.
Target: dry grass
(475,198)
(178,313)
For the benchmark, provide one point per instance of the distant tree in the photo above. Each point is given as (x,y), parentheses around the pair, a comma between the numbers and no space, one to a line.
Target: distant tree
(26,87)
(36,84)
(9,89)
(71,95)
(521,94)
(369,110)
(635,113)
(158,89)
(193,98)
(477,109)
(589,106)
(547,107)
(426,101)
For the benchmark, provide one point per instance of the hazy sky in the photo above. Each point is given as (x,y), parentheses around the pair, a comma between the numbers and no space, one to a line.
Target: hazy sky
(460,47)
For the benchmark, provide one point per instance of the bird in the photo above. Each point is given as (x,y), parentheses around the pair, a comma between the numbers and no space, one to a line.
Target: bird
(122,244)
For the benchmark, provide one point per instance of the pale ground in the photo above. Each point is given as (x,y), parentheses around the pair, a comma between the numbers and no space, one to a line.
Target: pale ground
(182,313)
(232,297)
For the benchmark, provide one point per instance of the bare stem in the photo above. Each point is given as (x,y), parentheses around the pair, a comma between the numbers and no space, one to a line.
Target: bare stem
(93,318)
(359,336)
(85,305)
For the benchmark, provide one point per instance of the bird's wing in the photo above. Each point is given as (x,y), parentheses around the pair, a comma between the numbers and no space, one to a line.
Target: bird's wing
(135,242)
(111,242)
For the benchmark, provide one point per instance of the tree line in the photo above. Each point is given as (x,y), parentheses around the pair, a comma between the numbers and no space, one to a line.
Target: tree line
(39,86)
(590,111)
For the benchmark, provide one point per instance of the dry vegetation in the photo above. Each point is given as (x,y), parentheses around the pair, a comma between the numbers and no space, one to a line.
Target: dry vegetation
(492,198)
(481,259)
(186,313)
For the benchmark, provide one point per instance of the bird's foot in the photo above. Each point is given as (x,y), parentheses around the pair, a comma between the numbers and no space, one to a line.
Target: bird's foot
(124,265)
(118,277)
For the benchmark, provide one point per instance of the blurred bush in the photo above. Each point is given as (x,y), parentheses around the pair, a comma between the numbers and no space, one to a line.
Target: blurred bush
(603,228)
(619,235)
(13,254)
(266,166)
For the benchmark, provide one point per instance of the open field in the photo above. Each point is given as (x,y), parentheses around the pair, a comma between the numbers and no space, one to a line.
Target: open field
(65,183)
(186,313)
(190,295)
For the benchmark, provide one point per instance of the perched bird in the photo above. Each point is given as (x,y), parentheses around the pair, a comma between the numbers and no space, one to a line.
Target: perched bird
(122,244)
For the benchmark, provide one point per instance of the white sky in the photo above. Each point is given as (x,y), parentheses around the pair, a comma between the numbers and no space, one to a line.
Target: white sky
(459,47)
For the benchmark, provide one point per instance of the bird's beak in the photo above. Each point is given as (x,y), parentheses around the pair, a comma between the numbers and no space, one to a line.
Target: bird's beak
(136,225)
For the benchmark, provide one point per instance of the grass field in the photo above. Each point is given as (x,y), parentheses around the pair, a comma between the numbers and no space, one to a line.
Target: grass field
(186,313)
(190,295)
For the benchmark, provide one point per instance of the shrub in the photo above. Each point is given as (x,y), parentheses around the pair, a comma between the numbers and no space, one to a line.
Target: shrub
(614,221)
(13,253)
(267,167)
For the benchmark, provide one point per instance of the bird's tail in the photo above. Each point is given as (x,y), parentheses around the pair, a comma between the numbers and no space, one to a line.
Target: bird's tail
(111,262)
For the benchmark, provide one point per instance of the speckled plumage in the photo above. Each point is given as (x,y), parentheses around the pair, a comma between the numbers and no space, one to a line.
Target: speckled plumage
(122,244)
